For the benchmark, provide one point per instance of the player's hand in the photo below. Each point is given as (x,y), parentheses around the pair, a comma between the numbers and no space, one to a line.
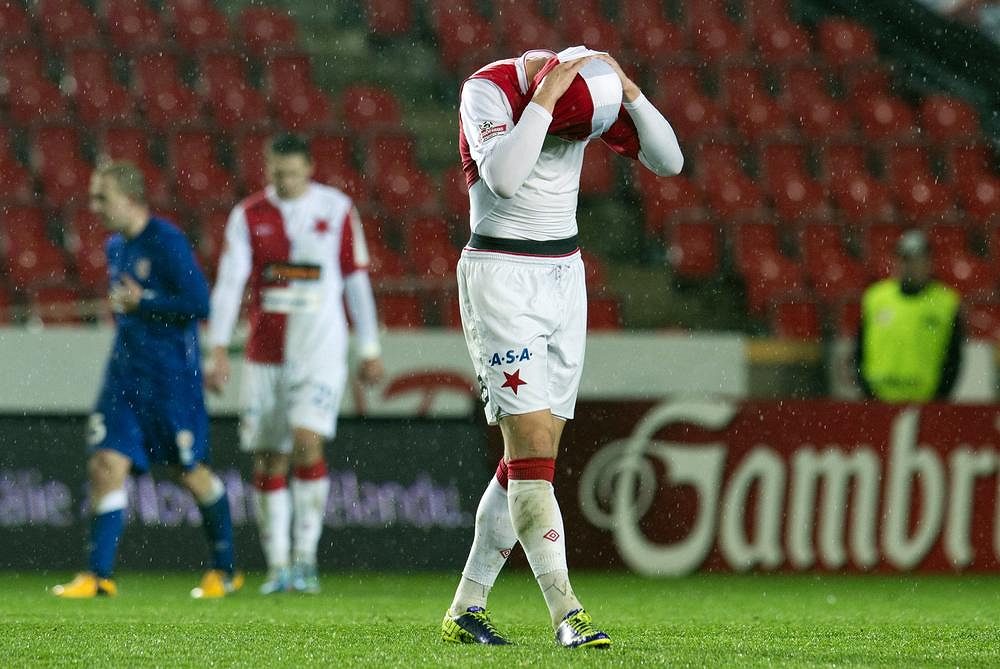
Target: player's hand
(217,374)
(125,295)
(370,371)
(630,91)
(557,81)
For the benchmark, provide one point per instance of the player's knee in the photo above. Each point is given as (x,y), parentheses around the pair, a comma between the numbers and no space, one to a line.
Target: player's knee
(534,443)
(107,471)
(307,447)
(271,464)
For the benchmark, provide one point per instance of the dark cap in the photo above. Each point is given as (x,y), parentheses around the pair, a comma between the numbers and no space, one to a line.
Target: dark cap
(913,243)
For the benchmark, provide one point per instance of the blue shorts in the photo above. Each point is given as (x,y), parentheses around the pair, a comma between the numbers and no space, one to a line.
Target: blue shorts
(163,428)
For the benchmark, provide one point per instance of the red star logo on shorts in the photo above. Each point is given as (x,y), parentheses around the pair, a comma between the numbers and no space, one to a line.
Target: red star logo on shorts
(514,381)
(321,227)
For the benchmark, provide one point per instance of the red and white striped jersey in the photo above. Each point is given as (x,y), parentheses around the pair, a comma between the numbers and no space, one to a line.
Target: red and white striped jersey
(294,256)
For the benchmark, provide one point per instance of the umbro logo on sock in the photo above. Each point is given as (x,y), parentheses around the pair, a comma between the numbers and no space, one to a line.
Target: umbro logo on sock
(505,553)
(551,535)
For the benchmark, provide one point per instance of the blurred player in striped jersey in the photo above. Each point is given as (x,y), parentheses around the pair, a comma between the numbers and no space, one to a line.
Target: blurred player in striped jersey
(300,247)
(151,408)
(525,123)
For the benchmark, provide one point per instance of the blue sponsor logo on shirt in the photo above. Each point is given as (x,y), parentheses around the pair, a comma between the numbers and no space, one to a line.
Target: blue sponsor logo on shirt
(510,357)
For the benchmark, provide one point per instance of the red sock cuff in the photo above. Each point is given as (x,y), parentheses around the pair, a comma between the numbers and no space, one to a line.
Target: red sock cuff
(502,473)
(313,472)
(532,469)
(268,483)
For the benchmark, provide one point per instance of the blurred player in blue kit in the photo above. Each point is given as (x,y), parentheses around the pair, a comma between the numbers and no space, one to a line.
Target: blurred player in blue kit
(151,407)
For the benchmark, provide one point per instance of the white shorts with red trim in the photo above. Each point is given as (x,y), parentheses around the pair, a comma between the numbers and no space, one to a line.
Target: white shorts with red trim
(525,323)
(276,399)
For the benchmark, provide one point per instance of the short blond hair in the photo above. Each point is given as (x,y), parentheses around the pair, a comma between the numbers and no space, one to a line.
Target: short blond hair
(130,179)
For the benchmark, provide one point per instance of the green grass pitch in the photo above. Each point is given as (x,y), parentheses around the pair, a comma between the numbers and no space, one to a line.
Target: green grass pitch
(391,620)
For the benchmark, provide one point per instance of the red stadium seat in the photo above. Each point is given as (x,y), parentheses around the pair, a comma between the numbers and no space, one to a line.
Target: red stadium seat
(85,240)
(389,18)
(198,25)
(65,22)
(264,29)
(968,160)
(948,119)
(302,110)
(983,320)
(796,318)
(753,241)
(200,179)
(234,104)
(652,37)
(367,107)
(435,262)
(31,97)
(595,271)
(885,117)
(781,42)
(579,25)
(32,258)
(56,305)
(804,93)
(385,264)
(424,231)
(98,96)
(664,200)
(878,246)
(248,159)
(403,190)
(763,12)
(132,24)
(599,174)
(455,193)
(57,161)
(400,309)
(288,72)
(210,239)
(464,38)
(603,313)
(718,39)
(922,197)
(833,274)
(847,318)
(678,93)
(845,42)
(865,82)
(769,278)
(693,249)
(15,25)
(334,161)
(167,102)
(751,110)
(980,198)
(956,265)
(15,181)
(734,195)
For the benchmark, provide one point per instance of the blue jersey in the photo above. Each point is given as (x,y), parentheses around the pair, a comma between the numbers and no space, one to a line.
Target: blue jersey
(151,407)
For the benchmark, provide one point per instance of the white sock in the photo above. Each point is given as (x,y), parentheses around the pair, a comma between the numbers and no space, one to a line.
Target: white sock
(493,540)
(539,526)
(274,519)
(309,504)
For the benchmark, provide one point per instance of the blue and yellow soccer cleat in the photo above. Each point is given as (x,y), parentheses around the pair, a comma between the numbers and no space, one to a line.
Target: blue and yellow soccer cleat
(577,631)
(216,584)
(473,626)
(86,585)
(305,579)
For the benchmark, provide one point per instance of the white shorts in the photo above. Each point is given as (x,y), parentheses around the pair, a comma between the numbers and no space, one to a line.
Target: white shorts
(275,400)
(525,323)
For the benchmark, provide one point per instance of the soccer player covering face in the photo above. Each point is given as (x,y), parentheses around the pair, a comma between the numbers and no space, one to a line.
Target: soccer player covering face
(300,247)
(151,408)
(525,123)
